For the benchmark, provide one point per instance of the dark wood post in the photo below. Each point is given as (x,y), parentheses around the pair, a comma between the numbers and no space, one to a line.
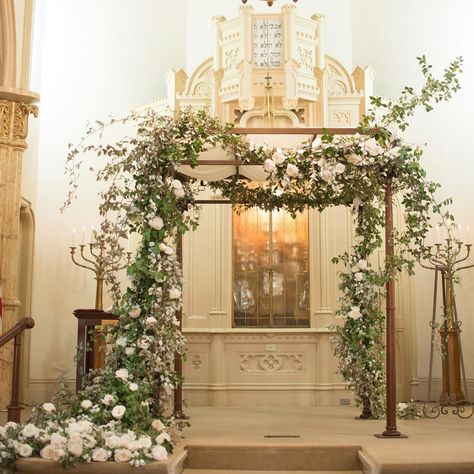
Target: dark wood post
(178,361)
(391,430)
(14,409)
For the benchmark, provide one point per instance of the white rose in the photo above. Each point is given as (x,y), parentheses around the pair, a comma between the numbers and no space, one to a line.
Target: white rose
(278,157)
(269,166)
(86,404)
(134,312)
(122,455)
(316,143)
(372,147)
(30,431)
(176,184)
(50,452)
(113,442)
(175,293)
(133,445)
(143,343)
(74,428)
(292,170)
(159,453)
(151,321)
(357,201)
(339,168)
(354,159)
(156,223)
(76,448)
(326,175)
(162,437)
(108,399)
(121,341)
(354,313)
(49,407)
(89,441)
(129,351)
(133,387)
(57,440)
(179,193)
(24,450)
(99,455)
(359,276)
(118,411)
(402,406)
(122,374)
(362,264)
(86,426)
(158,425)
(145,442)
(166,249)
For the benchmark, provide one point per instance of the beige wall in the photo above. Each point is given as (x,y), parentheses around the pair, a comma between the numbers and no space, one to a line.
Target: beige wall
(90,59)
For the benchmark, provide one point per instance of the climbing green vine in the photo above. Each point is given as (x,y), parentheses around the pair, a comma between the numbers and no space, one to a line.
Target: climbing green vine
(121,414)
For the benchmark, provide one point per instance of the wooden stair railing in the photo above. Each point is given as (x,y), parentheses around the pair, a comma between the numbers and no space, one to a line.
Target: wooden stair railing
(16,332)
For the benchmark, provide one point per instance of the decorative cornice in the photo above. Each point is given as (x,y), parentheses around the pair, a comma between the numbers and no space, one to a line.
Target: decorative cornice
(14,122)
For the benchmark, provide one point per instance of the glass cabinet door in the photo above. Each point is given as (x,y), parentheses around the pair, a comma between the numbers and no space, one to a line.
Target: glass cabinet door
(270,269)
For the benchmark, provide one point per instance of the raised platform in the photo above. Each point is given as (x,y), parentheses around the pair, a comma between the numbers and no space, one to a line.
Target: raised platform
(316,440)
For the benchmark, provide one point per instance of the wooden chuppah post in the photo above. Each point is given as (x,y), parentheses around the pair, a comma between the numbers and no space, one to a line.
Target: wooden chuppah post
(391,430)
(178,412)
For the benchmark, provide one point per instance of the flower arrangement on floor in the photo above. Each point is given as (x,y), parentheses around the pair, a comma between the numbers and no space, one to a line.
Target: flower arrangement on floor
(121,414)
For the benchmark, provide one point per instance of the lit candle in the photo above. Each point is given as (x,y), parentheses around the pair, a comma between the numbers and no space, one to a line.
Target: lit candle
(83,235)
(467,234)
(438,238)
(73,238)
(459,229)
(93,233)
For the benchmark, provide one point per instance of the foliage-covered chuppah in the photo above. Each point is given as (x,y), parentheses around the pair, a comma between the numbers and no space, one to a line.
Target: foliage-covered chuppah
(121,414)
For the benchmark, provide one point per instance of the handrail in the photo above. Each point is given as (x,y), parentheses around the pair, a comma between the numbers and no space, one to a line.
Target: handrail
(25,323)
(14,409)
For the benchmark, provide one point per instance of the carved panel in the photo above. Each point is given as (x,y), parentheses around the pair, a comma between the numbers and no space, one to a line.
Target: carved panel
(272,363)
(196,362)
(342,117)
(14,122)
(305,56)
(230,59)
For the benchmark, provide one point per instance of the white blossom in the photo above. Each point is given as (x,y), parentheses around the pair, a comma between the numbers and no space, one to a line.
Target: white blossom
(48,407)
(278,157)
(156,223)
(122,374)
(292,170)
(269,166)
(134,312)
(100,455)
(118,411)
(159,453)
(122,455)
(86,404)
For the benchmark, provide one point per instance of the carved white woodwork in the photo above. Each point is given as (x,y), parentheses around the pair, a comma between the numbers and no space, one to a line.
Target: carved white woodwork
(310,89)
(228,366)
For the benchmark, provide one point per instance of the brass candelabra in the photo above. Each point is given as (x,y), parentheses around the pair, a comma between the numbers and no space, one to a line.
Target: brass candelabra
(98,262)
(445,259)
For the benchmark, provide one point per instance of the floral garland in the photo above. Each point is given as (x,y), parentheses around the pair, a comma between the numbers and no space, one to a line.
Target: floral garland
(121,414)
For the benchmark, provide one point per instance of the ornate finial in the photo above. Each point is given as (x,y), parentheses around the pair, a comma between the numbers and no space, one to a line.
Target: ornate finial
(217,19)
(318,17)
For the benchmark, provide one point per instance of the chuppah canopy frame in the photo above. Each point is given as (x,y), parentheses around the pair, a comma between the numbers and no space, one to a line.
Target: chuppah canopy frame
(391,430)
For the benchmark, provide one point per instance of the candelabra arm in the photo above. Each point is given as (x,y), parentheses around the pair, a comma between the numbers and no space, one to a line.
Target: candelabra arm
(80,264)
(85,258)
(464,268)
(434,267)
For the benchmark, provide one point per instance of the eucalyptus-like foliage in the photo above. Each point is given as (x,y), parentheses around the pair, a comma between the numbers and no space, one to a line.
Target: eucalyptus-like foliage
(122,412)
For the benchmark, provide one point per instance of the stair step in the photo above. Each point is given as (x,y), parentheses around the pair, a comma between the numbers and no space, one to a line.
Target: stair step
(274,458)
(218,471)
